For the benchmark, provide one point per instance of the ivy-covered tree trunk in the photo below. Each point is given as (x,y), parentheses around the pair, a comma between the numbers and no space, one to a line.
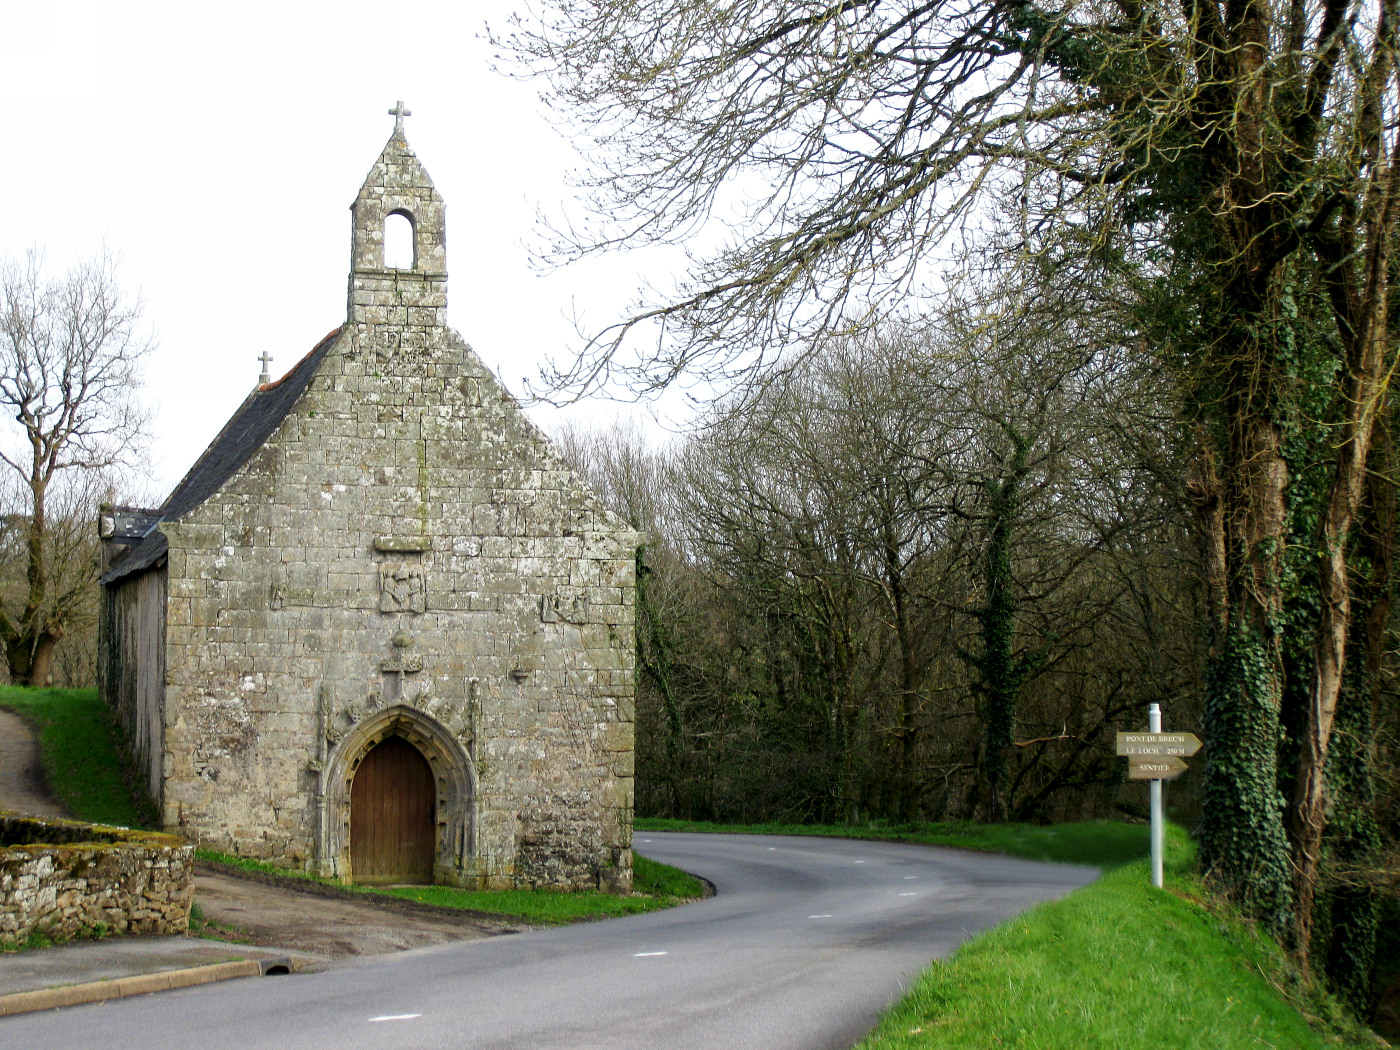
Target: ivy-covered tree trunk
(1000,672)
(1367,340)
(847,718)
(1242,840)
(907,731)
(654,667)
(1352,841)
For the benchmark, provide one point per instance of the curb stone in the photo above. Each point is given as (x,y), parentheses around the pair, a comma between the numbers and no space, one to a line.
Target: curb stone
(142,984)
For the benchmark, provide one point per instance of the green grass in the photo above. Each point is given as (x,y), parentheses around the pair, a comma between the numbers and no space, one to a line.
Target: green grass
(1105,844)
(661,880)
(655,886)
(1118,965)
(46,939)
(80,748)
(248,864)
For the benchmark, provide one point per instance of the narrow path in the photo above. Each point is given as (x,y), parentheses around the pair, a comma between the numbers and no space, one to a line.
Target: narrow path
(806,941)
(22,787)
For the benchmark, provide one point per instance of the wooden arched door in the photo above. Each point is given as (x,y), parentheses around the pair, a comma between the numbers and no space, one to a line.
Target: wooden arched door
(392,811)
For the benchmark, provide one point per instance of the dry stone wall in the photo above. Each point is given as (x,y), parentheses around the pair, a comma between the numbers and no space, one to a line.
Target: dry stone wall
(63,879)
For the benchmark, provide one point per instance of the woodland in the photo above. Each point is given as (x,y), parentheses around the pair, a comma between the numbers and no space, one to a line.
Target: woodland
(1057,350)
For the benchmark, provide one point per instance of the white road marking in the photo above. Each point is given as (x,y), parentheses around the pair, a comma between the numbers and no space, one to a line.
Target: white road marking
(394,1017)
(908,894)
(772,848)
(860,862)
(646,955)
(908,877)
(819,916)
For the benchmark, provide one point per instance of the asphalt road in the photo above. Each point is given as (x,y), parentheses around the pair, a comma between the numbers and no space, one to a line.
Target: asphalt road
(806,941)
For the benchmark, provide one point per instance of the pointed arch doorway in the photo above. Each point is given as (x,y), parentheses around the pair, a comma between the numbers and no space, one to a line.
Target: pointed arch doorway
(454,798)
(393,815)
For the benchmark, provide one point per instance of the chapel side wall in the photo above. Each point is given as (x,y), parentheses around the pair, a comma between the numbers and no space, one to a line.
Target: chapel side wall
(406,537)
(132,676)
(240,715)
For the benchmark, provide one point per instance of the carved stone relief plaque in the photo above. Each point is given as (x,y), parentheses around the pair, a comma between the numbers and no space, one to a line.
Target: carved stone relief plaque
(402,589)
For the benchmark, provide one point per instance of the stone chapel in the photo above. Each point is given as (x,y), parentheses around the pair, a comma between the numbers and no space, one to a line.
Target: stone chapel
(380,631)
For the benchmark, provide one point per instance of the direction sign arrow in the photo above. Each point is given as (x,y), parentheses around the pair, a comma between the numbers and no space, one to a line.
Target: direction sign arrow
(1155,768)
(1158,745)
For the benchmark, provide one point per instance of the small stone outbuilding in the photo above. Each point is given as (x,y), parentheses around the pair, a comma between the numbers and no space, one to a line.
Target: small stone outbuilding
(380,631)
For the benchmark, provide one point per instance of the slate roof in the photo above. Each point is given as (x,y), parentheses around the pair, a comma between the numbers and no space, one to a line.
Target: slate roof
(255,421)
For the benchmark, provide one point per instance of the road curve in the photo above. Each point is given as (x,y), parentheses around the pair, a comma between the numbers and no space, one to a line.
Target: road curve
(806,941)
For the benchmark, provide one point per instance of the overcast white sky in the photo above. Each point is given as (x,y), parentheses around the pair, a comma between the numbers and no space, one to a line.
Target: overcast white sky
(217,149)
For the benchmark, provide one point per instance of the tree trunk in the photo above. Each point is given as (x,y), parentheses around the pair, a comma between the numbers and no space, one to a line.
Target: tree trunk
(1001,672)
(1350,910)
(908,732)
(29,644)
(1353,837)
(1365,389)
(41,666)
(1242,840)
(654,663)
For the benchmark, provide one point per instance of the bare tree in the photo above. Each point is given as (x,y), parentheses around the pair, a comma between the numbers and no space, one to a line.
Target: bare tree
(1238,158)
(70,355)
(892,574)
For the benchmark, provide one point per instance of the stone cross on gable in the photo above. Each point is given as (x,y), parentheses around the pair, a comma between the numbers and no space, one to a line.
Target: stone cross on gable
(398,113)
(266,360)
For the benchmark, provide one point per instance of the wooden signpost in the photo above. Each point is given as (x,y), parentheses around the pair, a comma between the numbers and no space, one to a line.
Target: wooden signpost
(1155,768)
(1158,745)
(1156,756)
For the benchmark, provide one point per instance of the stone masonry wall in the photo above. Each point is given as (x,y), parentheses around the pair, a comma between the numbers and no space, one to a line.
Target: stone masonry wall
(404,538)
(408,551)
(63,878)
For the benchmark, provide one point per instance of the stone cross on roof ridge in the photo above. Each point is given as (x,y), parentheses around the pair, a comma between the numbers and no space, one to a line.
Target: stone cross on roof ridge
(266,360)
(398,113)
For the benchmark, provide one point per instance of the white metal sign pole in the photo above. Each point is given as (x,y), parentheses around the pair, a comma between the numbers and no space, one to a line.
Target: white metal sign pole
(1154,725)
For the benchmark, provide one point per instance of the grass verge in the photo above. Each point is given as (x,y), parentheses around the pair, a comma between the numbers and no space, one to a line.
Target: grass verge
(1119,965)
(79,746)
(1105,844)
(655,886)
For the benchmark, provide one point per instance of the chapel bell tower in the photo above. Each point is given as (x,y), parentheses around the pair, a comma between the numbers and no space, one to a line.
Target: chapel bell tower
(405,296)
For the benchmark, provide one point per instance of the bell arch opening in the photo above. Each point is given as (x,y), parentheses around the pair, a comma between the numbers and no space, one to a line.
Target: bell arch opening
(400,241)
